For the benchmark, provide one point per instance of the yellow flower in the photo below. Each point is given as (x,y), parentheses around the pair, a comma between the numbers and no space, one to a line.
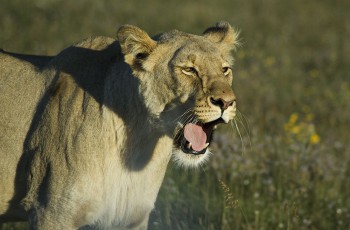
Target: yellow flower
(295,129)
(314,139)
(293,118)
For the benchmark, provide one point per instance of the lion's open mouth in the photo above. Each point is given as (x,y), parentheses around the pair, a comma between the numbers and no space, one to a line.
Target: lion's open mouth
(194,138)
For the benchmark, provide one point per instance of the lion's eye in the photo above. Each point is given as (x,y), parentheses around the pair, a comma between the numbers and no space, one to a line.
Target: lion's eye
(226,70)
(189,71)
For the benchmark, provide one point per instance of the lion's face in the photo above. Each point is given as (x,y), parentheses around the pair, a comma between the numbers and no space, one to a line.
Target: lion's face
(186,83)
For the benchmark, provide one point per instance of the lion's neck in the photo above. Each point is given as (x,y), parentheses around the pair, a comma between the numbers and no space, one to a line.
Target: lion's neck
(122,95)
(143,130)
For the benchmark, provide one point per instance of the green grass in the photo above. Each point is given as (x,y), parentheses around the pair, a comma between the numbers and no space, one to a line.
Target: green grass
(294,62)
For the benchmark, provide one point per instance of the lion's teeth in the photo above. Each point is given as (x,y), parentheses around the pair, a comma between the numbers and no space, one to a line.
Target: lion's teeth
(206,145)
(189,145)
(215,126)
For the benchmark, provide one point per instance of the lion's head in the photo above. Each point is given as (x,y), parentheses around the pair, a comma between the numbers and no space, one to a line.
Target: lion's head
(185,81)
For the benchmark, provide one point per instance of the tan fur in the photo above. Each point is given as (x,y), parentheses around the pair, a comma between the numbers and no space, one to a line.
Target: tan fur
(85,137)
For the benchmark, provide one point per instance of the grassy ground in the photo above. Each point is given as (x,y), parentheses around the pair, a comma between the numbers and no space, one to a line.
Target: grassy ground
(291,168)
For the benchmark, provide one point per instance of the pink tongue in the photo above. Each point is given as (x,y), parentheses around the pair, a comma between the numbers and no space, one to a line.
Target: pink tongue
(196,135)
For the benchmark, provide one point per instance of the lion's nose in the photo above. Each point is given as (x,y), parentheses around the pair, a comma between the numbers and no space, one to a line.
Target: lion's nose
(222,103)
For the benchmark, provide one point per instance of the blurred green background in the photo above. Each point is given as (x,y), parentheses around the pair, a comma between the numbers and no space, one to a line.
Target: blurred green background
(289,166)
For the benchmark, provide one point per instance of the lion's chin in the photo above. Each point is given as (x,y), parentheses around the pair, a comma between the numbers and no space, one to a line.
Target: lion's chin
(187,160)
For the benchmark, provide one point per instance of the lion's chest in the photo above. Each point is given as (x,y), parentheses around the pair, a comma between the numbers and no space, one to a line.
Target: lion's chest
(130,194)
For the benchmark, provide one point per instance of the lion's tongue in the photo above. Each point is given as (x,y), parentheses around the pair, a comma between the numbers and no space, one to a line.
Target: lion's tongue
(196,136)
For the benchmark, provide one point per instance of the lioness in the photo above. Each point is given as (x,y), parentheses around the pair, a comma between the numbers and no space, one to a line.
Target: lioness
(86,136)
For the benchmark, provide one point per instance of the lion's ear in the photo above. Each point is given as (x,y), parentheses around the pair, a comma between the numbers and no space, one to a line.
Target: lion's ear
(136,45)
(223,34)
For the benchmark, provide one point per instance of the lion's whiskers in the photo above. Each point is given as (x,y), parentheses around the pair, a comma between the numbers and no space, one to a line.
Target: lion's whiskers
(182,115)
(189,119)
(239,133)
(245,125)
(246,122)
